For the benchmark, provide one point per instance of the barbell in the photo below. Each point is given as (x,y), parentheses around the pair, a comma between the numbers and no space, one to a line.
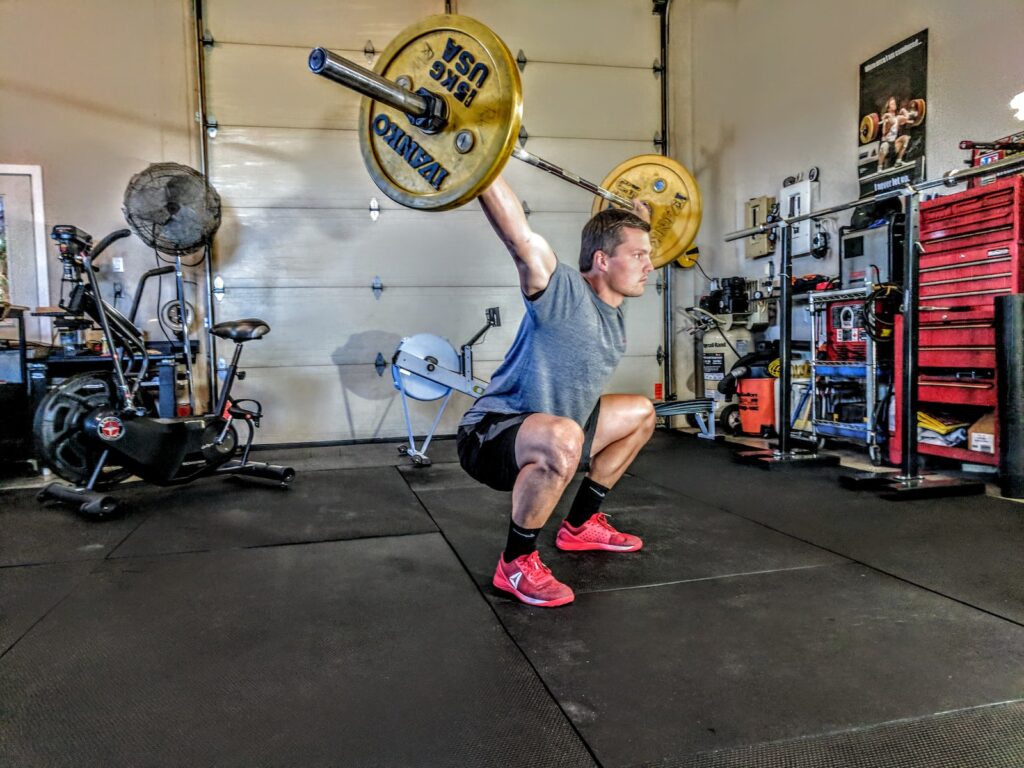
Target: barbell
(441,116)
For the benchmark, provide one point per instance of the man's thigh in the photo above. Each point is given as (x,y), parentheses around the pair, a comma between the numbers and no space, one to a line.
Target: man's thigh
(620,417)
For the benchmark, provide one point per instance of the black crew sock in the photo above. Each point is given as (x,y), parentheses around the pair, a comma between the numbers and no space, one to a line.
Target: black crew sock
(521,541)
(587,502)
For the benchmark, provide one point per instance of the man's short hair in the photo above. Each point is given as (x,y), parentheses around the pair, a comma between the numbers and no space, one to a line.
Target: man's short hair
(604,232)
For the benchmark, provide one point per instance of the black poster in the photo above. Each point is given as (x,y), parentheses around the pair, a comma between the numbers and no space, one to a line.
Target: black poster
(893,93)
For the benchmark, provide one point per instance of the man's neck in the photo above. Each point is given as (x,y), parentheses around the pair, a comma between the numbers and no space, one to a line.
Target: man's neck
(603,291)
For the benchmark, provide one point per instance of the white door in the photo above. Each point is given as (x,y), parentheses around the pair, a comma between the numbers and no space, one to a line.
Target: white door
(23,251)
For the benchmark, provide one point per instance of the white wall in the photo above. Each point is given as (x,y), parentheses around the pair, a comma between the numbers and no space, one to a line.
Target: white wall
(775,92)
(94,92)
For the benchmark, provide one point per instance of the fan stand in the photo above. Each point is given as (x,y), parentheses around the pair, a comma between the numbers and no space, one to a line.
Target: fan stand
(179,282)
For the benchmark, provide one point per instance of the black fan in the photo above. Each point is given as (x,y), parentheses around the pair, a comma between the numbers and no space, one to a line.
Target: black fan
(172,208)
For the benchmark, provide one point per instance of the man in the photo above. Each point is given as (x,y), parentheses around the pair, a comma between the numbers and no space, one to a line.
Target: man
(893,121)
(543,414)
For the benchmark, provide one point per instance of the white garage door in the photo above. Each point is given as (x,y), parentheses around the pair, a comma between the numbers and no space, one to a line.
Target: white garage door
(299,248)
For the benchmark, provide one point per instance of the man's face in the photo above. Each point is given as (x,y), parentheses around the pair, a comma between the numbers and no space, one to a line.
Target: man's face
(630,264)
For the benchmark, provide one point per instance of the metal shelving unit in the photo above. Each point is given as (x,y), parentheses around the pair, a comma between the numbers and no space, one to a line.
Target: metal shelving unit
(856,378)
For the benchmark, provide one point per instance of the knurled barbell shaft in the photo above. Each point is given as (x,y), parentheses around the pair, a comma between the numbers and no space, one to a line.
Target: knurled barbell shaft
(367,82)
(537,162)
(361,80)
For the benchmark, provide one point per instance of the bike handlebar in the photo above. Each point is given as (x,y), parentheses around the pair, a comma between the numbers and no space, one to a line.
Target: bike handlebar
(106,241)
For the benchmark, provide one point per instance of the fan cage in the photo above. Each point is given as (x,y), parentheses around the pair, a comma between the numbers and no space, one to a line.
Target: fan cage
(172,208)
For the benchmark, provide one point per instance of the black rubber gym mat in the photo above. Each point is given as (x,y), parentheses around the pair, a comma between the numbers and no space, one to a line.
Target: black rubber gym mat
(966,547)
(27,593)
(683,539)
(31,533)
(983,737)
(356,455)
(659,673)
(378,652)
(324,505)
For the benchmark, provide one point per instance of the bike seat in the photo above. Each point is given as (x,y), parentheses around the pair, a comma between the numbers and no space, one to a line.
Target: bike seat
(241,330)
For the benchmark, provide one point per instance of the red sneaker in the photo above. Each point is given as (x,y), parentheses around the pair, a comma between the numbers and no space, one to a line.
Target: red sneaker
(531,581)
(596,533)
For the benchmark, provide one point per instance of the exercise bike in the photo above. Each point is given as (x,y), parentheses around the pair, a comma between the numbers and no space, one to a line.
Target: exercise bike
(97,428)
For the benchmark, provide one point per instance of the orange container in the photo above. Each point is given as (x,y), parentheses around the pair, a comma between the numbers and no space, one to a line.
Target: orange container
(757,405)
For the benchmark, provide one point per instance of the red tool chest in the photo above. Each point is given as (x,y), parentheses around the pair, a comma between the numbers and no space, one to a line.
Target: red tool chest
(972,243)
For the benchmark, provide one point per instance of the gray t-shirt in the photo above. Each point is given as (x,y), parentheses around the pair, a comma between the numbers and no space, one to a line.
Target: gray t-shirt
(566,348)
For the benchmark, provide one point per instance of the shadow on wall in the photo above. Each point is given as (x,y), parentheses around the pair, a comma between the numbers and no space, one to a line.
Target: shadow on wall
(105,111)
(708,168)
(355,363)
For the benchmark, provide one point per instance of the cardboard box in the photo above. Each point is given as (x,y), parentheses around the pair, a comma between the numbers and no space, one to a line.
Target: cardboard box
(981,436)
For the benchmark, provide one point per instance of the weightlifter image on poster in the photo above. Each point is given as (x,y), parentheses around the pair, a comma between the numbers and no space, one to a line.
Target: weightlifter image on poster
(892,112)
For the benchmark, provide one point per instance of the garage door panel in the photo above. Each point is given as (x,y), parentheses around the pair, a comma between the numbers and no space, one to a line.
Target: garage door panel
(564,31)
(325,326)
(635,376)
(294,247)
(291,168)
(336,403)
(644,330)
(329,23)
(296,168)
(568,100)
(339,326)
(351,402)
(271,86)
(342,247)
(591,159)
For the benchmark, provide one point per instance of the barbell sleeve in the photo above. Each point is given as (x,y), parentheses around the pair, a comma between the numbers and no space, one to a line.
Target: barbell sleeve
(537,162)
(367,82)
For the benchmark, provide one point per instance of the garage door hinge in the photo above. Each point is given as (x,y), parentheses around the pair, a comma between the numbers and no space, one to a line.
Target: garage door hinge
(380,364)
(374,209)
(523,135)
(660,354)
(377,287)
(208,41)
(211,126)
(526,209)
(218,288)
(369,51)
(658,141)
(521,60)
(657,68)
(657,286)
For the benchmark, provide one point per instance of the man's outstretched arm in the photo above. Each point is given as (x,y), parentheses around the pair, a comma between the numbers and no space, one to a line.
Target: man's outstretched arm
(532,255)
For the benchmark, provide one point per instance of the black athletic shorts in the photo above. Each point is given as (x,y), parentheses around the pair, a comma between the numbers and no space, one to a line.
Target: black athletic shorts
(487,449)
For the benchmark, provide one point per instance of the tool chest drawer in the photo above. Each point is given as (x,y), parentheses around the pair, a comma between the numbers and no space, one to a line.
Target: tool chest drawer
(939,389)
(967,285)
(968,313)
(936,259)
(981,335)
(994,208)
(956,357)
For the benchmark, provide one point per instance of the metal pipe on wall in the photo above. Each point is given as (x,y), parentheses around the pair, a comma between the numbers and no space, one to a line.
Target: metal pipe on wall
(204,167)
(668,308)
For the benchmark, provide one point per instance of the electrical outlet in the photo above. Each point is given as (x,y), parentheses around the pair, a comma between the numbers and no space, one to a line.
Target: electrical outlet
(117,264)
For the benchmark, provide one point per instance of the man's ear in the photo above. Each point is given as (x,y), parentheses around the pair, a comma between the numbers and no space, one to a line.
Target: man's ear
(601,260)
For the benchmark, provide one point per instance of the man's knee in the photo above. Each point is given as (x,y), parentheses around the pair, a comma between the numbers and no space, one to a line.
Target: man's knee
(643,417)
(561,450)
(648,418)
